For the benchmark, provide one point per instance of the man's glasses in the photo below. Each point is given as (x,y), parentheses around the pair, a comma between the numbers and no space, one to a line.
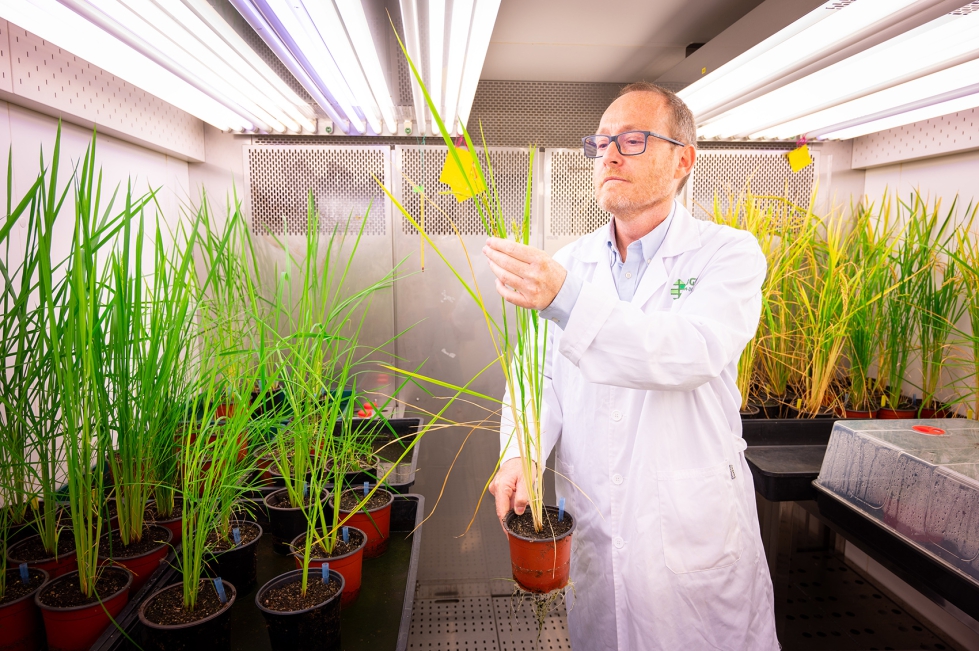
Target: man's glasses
(630,143)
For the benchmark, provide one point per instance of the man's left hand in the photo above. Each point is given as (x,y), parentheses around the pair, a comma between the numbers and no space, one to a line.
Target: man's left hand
(525,276)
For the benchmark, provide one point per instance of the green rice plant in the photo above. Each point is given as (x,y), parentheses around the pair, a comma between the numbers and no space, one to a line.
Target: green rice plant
(871,252)
(966,256)
(78,339)
(938,288)
(519,341)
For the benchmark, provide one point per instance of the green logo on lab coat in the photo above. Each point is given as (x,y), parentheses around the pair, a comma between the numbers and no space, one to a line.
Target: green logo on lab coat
(681,286)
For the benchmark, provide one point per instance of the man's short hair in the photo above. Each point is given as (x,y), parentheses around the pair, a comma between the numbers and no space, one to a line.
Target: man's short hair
(681,123)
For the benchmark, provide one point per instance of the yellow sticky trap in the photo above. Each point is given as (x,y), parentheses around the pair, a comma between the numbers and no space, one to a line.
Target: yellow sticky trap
(455,178)
(800,158)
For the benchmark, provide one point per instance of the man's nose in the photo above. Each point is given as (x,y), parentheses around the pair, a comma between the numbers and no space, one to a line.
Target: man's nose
(612,155)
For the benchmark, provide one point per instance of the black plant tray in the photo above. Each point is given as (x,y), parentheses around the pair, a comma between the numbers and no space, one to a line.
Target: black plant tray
(785,455)
(787,431)
(378,620)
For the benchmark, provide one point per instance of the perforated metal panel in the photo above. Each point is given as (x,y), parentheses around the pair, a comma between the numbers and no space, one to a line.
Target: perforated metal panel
(726,174)
(569,198)
(422,166)
(948,134)
(344,181)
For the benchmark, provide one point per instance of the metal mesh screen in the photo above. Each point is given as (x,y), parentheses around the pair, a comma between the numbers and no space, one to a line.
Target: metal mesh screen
(422,166)
(342,180)
(570,196)
(727,174)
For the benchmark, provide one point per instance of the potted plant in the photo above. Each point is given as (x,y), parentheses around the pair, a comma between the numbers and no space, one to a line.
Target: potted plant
(966,256)
(89,597)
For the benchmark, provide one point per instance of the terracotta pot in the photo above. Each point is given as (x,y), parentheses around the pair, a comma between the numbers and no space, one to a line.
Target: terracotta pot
(857,414)
(55,567)
(76,628)
(212,632)
(376,523)
(349,565)
(239,564)
(143,565)
(21,628)
(313,629)
(540,565)
(886,413)
(284,523)
(175,525)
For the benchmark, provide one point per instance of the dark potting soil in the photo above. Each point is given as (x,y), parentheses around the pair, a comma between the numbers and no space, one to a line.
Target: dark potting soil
(62,593)
(32,550)
(168,608)
(352,498)
(153,515)
(153,536)
(523,525)
(281,501)
(340,548)
(16,589)
(289,598)
(248,531)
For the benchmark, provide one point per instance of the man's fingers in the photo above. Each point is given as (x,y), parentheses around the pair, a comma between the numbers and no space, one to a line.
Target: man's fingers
(521,252)
(520,498)
(512,296)
(506,261)
(507,278)
(503,493)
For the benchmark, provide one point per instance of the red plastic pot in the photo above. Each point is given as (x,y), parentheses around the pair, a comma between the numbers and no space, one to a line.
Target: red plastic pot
(349,565)
(143,565)
(76,628)
(375,523)
(55,567)
(857,414)
(20,620)
(540,565)
(174,525)
(886,413)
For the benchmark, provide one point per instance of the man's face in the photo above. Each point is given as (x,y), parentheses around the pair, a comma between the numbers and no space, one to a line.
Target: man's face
(625,185)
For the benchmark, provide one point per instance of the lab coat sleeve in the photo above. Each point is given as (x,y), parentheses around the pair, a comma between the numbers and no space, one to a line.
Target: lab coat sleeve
(615,342)
(551,411)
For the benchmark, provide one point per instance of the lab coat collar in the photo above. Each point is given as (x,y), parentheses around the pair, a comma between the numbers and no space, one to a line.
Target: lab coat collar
(682,236)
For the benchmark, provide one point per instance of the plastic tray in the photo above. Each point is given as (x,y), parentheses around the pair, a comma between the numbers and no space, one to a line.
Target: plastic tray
(921,485)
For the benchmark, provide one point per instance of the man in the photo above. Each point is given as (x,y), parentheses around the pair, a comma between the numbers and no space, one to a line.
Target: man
(649,316)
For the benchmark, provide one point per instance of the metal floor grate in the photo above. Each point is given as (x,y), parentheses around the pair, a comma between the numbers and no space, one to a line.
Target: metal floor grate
(483,624)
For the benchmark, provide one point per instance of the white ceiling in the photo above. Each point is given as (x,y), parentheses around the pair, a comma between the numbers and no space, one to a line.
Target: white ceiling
(611,40)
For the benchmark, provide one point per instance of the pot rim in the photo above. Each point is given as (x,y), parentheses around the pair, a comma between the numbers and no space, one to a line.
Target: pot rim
(265,499)
(174,627)
(363,543)
(68,609)
(163,522)
(47,577)
(512,513)
(49,559)
(286,578)
(165,543)
(253,541)
(376,508)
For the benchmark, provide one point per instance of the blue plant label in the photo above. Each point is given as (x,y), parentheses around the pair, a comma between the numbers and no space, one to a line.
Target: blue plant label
(325,570)
(367,488)
(237,535)
(346,535)
(305,489)
(219,586)
(25,576)
(560,510)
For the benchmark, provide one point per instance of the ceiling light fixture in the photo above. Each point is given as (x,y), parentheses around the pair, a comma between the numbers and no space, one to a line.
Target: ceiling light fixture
(965,103)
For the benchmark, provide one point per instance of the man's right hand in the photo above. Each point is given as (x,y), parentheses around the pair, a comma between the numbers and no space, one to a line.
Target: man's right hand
(509,489)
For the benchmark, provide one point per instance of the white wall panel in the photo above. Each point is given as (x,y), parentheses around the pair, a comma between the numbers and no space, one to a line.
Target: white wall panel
(945,177)
(941,136)
(46,78)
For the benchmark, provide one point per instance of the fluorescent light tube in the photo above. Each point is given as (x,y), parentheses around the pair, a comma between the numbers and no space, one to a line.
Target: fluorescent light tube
(813,37)
(327,23)
(436,47)
(61,26)
(412,43)
(933,46)
(459,21)
(929,89)
(355,20)
(924,113)
(484,18)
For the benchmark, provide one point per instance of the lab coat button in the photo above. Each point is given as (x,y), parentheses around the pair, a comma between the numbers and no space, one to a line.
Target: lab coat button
(616,479)
(618,542)
(616,415)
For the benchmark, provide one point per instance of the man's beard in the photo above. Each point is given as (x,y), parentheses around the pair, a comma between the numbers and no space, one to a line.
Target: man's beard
(617,204)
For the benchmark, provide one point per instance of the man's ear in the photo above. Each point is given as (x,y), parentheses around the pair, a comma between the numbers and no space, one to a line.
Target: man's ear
(688,156)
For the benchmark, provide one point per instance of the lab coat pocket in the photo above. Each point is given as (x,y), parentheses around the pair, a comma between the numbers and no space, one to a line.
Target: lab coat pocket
(699,519)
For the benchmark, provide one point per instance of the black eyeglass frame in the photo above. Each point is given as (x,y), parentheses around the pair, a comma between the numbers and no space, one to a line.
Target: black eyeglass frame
(615,139)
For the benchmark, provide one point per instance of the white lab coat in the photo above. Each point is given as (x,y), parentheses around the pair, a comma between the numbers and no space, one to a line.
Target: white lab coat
(643,408)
